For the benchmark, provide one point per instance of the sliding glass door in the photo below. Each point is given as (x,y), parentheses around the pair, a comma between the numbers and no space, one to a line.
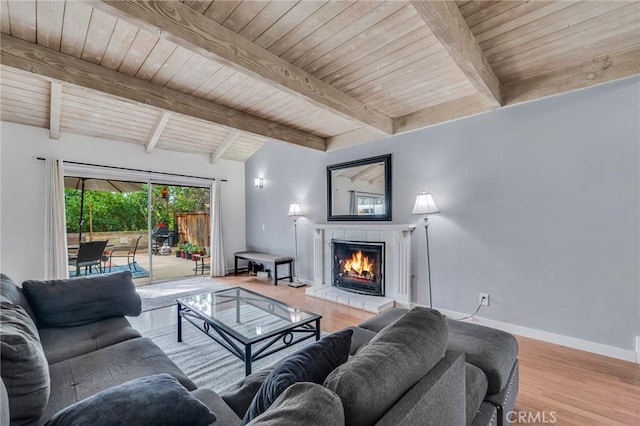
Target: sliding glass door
(179,230)
(157,225)
(109,210)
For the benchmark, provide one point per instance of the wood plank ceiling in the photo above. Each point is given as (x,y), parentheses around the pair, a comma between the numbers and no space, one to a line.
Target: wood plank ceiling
(221,77)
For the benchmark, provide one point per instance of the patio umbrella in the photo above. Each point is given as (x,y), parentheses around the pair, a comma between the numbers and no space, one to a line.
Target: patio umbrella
(104,185)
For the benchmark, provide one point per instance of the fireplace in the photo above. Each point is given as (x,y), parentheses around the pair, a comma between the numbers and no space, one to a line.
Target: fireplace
(358,266)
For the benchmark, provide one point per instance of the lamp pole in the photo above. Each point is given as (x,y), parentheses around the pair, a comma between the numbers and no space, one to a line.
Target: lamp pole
(425,205)
(426,232)
(295,238)
(295,212)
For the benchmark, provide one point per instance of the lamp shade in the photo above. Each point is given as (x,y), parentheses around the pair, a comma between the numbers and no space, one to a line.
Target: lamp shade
(294,209)
(425,204)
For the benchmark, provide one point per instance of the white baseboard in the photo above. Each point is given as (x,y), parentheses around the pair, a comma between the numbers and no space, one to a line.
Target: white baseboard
(558,339)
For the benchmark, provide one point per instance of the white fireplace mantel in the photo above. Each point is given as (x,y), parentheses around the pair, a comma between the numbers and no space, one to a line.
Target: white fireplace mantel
(397,239)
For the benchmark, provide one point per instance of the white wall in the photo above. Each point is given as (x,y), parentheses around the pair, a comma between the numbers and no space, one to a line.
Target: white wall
(540,208)
(22,188)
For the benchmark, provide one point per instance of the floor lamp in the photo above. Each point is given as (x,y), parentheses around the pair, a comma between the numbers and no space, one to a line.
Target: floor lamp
(294,212)
(425,206)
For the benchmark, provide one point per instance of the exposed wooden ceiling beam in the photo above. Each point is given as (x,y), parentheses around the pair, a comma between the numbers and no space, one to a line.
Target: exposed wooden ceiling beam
(364,171)
(450,28)
(197,33)
(589,73)
(162,121)
(457,108)
(378,178)
(231,138)
(55,103)
(354,137)
(30,57)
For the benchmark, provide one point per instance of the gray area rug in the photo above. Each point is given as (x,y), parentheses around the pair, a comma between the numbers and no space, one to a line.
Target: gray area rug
(161,295)
(204,361)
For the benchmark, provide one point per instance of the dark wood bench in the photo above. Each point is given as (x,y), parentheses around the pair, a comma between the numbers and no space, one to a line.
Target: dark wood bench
(273,259)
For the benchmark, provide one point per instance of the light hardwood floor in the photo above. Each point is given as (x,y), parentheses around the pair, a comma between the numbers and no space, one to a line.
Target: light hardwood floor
(558,385)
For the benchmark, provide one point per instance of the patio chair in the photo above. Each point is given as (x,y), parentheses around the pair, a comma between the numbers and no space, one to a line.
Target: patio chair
(89,255)
(130,255)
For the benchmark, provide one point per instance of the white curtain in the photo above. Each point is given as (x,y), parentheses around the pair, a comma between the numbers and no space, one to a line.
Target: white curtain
(218,263)
(55,227)
(353,202)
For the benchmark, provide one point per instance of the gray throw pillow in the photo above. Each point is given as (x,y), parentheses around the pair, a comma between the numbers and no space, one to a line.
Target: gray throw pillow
(307,404)
(389,365)
(313,363)
(11,293)
(25,371)
(4,405)
(83,300)
(239,398)
(157,400)
(9,290)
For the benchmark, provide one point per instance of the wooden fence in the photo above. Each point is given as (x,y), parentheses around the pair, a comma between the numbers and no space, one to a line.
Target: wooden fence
(193,227)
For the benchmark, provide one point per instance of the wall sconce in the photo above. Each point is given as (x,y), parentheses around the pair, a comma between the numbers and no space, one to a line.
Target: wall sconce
(258,182)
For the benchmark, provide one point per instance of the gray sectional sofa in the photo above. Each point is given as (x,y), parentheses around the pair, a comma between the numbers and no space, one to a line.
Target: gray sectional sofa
(405,367)
(484,357)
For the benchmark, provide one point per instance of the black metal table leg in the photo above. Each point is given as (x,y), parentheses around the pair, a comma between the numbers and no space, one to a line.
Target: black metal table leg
(318,329)
(235,267)
(179,323)
(247,360)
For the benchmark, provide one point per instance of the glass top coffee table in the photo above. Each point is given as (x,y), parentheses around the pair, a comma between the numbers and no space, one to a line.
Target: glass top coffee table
(249,325)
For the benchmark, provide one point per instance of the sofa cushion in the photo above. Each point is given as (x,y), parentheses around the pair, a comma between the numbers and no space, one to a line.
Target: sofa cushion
(398,357)
(437,399)
(83,300)
(475,388)
(62,343)
(240,396)
(11,293)
(306,404)
(494,351)
(153,400)
(382,320)
(313,363)
(24,371)
(77,378)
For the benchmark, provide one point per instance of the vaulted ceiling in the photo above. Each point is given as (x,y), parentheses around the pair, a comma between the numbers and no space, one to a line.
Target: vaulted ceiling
(221,77)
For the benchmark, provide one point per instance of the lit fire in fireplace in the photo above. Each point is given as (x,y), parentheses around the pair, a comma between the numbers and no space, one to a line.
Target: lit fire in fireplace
(359,266)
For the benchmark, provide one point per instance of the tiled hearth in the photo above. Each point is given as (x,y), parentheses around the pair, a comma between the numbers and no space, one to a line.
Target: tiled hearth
(397,239)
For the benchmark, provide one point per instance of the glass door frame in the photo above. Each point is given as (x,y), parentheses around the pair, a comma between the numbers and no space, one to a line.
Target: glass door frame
(144,177)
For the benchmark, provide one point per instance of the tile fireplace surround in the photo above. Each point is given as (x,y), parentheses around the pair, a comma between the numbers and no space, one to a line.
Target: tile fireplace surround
(397,239)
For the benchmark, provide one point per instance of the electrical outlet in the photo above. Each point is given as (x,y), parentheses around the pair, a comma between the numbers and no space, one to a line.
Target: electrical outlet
(483,299)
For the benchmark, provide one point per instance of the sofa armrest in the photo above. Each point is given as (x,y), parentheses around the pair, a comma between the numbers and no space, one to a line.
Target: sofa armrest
(224,414)
(437,399)
(83,300)
(360,337)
